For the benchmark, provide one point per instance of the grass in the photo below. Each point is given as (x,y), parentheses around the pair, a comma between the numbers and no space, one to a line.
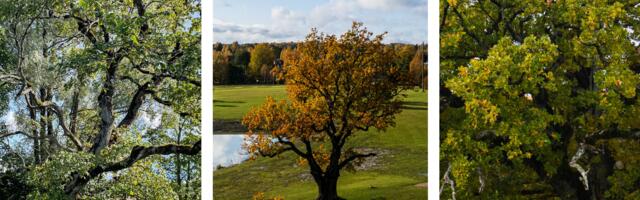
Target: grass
(395,176)
(232,102)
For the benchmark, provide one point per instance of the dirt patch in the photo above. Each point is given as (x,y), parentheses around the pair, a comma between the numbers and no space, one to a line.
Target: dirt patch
(372,162)
(228,126)
(421,185)
(368,163)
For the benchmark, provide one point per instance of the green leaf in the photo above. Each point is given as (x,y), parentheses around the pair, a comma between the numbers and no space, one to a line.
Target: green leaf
(134,39)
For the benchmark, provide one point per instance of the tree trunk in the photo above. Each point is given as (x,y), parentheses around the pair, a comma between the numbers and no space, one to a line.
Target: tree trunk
(179,166)
(327,186)
(36,140)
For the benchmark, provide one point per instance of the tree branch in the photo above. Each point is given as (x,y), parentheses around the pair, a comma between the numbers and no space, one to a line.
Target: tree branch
(59,113)
(292,147)
(447,180)
(574,163)
(137,153)
(353,157)
(106,106)
(137,100)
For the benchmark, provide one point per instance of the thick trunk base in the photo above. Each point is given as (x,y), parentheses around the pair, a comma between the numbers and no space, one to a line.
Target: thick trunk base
(328,188)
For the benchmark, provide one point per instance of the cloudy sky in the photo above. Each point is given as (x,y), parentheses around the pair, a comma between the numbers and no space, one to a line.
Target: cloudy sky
(248,21)
(227,149)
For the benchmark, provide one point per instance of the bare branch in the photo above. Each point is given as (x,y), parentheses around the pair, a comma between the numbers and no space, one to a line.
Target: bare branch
(574,163)
(480,180)
(447,180)
(292,146)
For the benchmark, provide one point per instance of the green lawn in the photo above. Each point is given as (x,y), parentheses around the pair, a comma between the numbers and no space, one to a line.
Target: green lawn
(232,102)
(395,175)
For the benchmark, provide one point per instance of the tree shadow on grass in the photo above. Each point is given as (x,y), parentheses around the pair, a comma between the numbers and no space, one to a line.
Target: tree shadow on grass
(414,105)
(226,106)
(223,103)
(228,126)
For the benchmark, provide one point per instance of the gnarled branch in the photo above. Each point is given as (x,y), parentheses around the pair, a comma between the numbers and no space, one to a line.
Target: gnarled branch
(447,180)
(137,153)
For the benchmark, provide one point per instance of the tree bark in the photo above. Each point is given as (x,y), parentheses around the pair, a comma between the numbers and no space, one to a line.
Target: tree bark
(78,182)
(106,108)
(327,185)
(179,164)
(36,139)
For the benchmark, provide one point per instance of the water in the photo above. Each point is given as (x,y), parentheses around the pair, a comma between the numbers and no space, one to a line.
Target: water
(227,149)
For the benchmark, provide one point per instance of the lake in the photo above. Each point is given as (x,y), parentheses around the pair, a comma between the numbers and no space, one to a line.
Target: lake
(227,149)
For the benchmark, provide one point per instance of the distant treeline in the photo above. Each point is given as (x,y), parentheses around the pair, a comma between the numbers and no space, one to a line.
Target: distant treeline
(254,63)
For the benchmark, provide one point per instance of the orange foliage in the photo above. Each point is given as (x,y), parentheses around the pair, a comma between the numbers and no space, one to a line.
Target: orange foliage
(337,86)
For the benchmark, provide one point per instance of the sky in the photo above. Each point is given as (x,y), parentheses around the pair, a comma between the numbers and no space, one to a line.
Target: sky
(251,21)
(227,149)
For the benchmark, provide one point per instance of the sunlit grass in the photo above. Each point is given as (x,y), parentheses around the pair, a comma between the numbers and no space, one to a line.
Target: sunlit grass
(395,176)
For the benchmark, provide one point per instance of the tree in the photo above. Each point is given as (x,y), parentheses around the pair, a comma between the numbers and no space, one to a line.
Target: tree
(87,80)
(261,55)
(265,74)
(286,54)
(417,68)
(540,99)
(405,54)
(337,87)
(221,65)
(239,63)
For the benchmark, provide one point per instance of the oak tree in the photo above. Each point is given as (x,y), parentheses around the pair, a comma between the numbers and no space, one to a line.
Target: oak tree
(539,99)
(96,88)
(337,87)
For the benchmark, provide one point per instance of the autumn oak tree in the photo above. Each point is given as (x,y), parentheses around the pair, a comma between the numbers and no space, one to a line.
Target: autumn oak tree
(97,89)
(540,99)
(337,87)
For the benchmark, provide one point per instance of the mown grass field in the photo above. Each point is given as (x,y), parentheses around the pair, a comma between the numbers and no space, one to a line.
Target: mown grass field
(395,175)
(232,102)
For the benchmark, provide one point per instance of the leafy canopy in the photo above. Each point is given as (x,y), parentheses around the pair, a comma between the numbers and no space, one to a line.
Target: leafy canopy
(98,88)
(337,87)
(540,98)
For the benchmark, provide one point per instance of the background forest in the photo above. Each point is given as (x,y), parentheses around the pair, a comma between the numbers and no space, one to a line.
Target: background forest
(254,63)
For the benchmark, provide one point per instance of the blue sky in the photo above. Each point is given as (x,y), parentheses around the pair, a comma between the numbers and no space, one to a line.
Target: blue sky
(248,21)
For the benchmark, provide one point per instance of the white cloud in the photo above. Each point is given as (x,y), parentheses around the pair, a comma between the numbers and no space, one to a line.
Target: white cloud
(335,10)
(387,4)
(227,149)
(247,33)
(402,18)
(288,22)
(10,121)
(151,120)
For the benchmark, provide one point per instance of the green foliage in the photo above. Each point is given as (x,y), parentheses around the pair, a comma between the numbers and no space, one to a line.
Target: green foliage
(58,58)
(140,182)
(49,178)
(262,55)
(527,85)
